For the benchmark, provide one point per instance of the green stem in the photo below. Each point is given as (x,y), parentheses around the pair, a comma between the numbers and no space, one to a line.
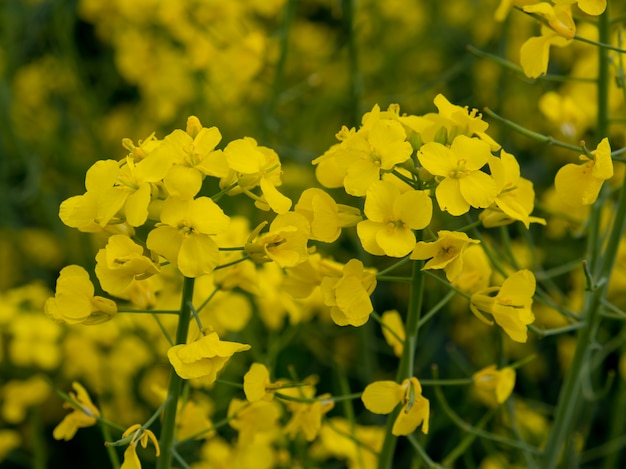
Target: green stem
(405,368)
(39,447)
(175,387)
(570,394)
(534,135)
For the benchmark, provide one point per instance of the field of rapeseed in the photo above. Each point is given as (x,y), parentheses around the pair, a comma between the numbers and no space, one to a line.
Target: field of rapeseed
(312,234)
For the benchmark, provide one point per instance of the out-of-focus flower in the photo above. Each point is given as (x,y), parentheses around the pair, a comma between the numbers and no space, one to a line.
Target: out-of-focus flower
(74,301)
(493,385)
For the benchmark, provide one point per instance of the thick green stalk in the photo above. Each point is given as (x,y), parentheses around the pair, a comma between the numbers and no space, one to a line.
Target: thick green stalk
(166,441)
(405,368)
(570,393)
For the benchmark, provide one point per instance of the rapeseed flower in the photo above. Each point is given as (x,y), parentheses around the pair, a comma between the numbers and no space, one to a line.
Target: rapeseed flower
(285,243)
(364,155)
(84,414)
(461,183)
(511,305)
(184,235)
(74,301)
(381,397)
(445,253)
(494,386)
(516,195)
(580,184)
(326,217)
(391,218)
(121,264)
(535,52)
(141,436)
(348,295)
(252,165)
(204,357)
(591,7)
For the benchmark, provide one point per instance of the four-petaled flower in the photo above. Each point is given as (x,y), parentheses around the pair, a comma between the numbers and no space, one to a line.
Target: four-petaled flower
(204,357)
(510,307)
(184,235)
(445,253)
(381,397)
(580,184)
(494,386)
(349,294)
(84,414)
(74,301)
(391,218)
(462,183)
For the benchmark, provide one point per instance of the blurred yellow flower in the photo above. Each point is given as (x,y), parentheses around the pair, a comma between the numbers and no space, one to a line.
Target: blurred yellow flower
(492,384)
(393,331)
(74,301)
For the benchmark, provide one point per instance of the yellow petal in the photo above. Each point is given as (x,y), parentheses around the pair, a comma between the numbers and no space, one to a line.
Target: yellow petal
(381,397)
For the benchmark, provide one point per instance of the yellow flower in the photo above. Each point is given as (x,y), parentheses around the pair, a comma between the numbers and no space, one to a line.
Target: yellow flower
(516,196)
(84,414)
(535,52)
(391,218)
(184,235)
(285,243)
(306,417)
(462,183)
(357,162)
(252,165)
(74,301)
(476,271)
(591,7)
(142,436)
(257,384)
(511,305)
(253,419)
(194,156)
(493,384)
(381,397)
(326,217)
(393,331)
(121,264)
(580,184)
(204,357)
(349,295)
(19,396)
(445,253)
